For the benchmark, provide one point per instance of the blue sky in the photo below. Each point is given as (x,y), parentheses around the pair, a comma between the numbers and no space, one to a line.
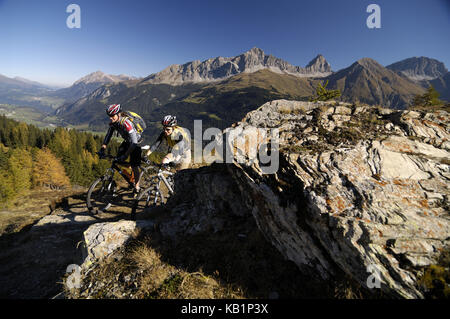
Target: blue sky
(143,37)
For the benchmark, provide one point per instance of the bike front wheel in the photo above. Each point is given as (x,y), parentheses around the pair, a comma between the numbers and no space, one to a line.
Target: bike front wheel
(148,197)
(101,195)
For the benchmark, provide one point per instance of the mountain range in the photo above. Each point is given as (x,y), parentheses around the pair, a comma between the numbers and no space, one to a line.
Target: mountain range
(419,68)
(88,84)
(221,90)
(24,92)
(221,68)
(369,82)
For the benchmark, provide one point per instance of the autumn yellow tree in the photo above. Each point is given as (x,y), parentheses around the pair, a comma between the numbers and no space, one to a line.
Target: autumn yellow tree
(20,166)
(6,187)
(48,170)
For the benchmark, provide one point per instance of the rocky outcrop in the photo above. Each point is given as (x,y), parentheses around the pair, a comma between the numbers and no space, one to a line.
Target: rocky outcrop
(103,239)
(220,68)
(358,190)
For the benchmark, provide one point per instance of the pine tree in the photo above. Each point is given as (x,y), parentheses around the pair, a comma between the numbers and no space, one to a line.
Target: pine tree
(22,132)
(322,94)
(75,150)
(429,98)
(90,144)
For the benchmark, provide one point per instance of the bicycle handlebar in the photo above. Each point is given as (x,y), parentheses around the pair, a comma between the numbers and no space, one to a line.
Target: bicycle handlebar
(105,156)
(157,165)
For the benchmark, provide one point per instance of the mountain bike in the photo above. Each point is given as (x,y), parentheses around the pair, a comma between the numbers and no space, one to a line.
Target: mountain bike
(155,194)
(107,190)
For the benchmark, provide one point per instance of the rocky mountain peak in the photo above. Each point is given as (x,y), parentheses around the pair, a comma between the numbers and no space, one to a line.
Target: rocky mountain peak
(87,85)
(255,52)
(220,68)
(368,63)
(419,68)
(101,77)
(319,64)
(97,76)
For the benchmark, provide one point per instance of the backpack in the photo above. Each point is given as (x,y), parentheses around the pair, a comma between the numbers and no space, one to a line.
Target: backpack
(138,122)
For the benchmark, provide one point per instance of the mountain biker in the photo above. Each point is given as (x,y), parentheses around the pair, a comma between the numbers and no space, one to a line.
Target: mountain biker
(130,145)
(177,139)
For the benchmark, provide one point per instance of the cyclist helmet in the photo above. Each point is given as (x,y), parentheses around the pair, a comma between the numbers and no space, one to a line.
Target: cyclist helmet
(113,109)
(169,120)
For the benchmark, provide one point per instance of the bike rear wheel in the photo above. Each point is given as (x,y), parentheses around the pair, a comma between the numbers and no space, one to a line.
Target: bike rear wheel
(101,195)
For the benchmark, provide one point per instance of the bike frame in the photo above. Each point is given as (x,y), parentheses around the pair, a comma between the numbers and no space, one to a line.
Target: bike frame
(163,178)
(154,189)
(116,167)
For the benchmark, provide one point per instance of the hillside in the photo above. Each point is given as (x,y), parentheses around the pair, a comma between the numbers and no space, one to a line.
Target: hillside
(141,98)
(87,85)
(419,68)
(217,104)
(369,82)
(220,104)
(442,85)
(23,92)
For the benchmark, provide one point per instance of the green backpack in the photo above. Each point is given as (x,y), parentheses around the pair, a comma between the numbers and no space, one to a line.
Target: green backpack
(138,122)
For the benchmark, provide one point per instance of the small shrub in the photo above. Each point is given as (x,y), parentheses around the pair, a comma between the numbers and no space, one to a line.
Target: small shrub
(322,94)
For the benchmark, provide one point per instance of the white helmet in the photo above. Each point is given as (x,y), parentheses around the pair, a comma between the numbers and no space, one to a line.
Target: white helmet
(169,120)
(113,109)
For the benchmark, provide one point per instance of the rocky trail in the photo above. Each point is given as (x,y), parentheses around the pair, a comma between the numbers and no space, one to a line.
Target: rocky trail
(34,260)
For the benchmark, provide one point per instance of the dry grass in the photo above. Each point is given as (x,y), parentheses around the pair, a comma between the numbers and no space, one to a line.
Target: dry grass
(435,279)
(149,277)
(236,262)
(431,108)
(29,208)
(293,110)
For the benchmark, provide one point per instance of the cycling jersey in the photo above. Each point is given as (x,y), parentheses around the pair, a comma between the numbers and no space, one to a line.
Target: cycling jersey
(178,141)
(127,131)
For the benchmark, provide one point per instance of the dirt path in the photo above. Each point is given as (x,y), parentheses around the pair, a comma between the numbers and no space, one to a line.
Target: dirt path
(33,260)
